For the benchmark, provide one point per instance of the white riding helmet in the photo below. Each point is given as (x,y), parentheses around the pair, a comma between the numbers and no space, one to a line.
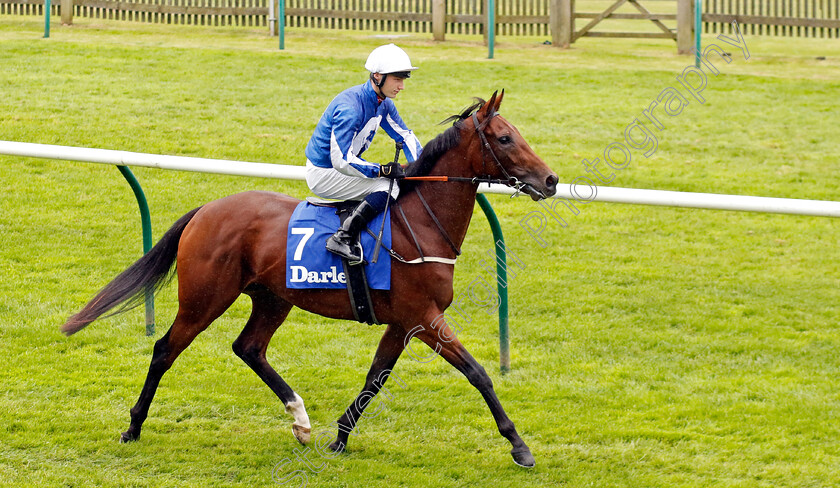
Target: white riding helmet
(389,59)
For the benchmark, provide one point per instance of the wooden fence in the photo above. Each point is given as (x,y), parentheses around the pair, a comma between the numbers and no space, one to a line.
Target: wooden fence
(561,21)
(514,17)
(193,12)
(791,18)
(384,15)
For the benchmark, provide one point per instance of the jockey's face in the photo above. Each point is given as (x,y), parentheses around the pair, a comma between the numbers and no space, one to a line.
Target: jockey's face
(393,85)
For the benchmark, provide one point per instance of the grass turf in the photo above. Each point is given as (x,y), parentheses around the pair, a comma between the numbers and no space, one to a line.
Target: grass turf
(651,346)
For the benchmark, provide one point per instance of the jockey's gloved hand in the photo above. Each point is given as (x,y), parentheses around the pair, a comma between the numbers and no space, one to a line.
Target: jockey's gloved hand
(392,171)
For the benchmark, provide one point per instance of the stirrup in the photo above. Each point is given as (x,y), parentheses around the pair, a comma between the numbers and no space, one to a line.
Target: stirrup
(346,251)
(355,262)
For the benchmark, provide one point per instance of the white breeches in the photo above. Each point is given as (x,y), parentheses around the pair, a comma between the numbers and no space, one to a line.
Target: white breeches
(329,183)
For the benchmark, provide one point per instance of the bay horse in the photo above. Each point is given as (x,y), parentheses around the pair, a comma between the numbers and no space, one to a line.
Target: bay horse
(237,245)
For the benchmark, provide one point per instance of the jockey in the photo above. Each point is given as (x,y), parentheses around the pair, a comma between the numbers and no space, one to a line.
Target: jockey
(334,166)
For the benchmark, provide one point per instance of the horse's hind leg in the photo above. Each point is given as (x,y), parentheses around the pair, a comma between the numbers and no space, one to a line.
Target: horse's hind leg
(193,317)
(269,311)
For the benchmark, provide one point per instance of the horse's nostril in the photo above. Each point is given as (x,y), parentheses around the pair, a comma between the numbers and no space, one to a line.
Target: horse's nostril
(551,181)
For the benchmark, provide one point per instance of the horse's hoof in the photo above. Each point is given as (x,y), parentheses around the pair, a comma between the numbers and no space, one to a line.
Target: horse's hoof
(522,457)
(301,433)
(126,437)
(337,447)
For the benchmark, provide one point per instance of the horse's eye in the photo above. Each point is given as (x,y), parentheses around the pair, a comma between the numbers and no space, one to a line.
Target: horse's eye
(505,139)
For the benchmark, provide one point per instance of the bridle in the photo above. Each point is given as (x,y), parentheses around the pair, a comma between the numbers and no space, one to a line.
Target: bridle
(510,181)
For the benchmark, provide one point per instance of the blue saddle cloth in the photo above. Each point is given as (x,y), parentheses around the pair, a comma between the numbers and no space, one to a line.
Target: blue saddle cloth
(310,266)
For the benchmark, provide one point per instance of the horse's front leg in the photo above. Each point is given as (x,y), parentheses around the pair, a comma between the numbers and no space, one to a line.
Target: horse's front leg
(390,347)
(444,342)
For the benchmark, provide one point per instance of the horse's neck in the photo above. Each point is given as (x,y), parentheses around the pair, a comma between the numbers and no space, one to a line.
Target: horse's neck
(451,203)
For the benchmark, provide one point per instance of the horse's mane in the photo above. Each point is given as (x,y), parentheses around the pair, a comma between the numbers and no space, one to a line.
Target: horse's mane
(437,147)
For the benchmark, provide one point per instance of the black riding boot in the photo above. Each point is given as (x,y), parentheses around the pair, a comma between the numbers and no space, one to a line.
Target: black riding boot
(345,242)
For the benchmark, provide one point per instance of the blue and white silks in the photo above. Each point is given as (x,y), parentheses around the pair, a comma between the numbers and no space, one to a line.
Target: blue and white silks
(347,127)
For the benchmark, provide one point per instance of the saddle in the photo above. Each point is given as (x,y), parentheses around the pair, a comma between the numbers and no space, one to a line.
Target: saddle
(356,277)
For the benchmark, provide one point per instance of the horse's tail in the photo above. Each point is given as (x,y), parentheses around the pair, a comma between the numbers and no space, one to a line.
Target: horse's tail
(150,272)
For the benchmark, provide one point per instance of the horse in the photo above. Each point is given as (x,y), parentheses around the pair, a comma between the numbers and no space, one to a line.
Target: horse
(237,245)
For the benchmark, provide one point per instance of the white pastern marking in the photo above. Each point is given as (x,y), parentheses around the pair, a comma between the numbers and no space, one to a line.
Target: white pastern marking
(298,411)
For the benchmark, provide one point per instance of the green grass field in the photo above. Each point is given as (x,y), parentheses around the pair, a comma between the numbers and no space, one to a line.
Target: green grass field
(651,347)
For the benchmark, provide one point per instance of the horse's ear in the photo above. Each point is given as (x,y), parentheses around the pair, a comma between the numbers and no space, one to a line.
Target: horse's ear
(490,106)
(499,101)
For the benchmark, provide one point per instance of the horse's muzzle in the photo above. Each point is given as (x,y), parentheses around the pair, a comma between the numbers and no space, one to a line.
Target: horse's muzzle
(539,194)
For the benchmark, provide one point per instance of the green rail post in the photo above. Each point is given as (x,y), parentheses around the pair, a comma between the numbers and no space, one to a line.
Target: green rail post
(491,31)
(47,8)
(281,23)
(501,277)
(146,222)
(698,18)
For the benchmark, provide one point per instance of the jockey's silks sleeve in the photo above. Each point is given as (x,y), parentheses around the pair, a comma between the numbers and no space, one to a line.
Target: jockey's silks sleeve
(346,130)
(395,127)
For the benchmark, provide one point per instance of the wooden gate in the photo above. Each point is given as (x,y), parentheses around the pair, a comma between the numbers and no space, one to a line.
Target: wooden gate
(610,12)
(669,19)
